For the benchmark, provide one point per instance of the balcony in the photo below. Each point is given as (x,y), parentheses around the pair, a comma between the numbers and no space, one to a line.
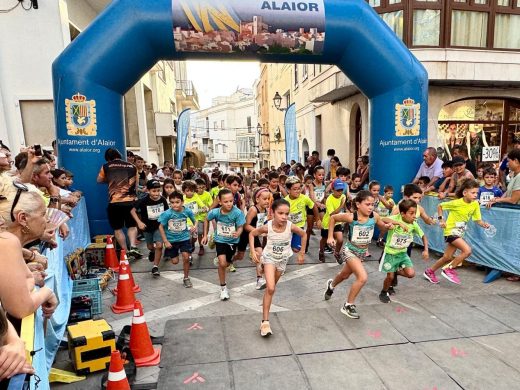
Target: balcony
(186,94)
(246,156)
(200,133)
(332,87)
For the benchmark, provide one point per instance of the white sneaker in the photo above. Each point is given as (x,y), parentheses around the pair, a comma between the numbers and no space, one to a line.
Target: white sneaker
(224,294)
(260,284)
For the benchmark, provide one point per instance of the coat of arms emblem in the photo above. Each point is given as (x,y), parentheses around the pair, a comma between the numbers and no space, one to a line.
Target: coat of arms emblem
(407,118)
(81,116)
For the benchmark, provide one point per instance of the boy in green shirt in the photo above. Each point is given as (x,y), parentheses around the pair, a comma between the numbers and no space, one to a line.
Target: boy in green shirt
(395,260)
(333,205)
(207,200)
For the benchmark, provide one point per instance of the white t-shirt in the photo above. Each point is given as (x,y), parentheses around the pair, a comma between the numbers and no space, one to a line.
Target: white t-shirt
(434,170)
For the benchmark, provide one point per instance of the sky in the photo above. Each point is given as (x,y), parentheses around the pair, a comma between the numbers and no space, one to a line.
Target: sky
(221,78)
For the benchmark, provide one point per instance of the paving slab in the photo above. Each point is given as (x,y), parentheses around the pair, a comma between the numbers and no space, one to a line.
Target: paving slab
(312,331)
(415,323)
(242,335)
(213,376)
(471,365)
(339,370)
(280,373)
(370,330)
(503,346)
(404,367)
(513,297)
(464,317)
(190,341)
(498,307)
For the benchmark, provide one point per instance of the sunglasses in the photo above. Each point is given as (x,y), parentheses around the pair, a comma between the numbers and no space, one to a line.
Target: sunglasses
(20,187)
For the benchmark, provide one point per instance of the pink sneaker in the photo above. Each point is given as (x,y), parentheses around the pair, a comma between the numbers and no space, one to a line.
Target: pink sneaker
(451,275)
(430,276)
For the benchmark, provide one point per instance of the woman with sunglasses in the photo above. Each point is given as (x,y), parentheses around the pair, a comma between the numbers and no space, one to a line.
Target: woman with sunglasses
(23,216)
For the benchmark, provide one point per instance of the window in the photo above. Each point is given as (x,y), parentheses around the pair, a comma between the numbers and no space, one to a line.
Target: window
(207,123)
(222,124)
(469,28)
(217,148)
(507,31)
(248,124)
(375,3)
(394,20)
(295,75)
(37,121)
(426,27)
(215,125)
(304,72)
(503,3)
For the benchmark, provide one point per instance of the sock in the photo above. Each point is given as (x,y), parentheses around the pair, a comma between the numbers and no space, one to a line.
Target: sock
(223,286)
(264,321)
(348,304)
(258,277)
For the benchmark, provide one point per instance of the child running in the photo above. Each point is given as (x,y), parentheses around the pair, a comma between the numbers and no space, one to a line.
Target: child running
(461,210)
(395,260)
(361,227)
(150,208)
(298,209)
(276,253)
(230,223)
(176,234)
(168,188)
(207,200)
(195,204)
(333,206)
(318,197)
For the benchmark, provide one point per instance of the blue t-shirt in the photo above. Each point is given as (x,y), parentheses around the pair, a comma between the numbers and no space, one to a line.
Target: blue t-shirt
(227,224)
(487,194)
(175,224)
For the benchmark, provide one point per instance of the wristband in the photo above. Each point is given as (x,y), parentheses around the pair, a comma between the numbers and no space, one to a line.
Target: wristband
(440,217)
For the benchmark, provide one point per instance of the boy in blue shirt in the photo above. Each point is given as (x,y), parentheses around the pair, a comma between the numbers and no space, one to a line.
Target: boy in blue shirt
(175,233)
(229,225)
(489,190)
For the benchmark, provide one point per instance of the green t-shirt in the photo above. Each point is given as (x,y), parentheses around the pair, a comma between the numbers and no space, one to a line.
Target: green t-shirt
(398,240)
(331,204)
(214,191)
(460,212)
(297,210)
(195,205)
(207,200)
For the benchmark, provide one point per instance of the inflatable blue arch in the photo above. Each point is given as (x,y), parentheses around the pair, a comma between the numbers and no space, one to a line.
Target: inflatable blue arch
(93,73)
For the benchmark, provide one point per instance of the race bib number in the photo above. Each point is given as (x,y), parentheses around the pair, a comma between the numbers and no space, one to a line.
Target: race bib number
(459,229)
(177,225)
(154,211)
(225,230)
(400,241)
(193,206)
(383,211)
(362,235)
(261,220)
(296,218)
(319,194)
(279,249)
(486,197)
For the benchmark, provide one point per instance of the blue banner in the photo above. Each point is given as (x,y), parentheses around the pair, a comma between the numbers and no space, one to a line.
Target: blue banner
(497,247)
(291,135)
(183,127)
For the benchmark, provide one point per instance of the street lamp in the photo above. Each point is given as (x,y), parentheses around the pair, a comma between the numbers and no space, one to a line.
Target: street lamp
(277,100)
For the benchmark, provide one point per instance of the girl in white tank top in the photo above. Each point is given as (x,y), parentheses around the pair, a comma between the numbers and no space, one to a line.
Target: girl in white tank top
(276,253)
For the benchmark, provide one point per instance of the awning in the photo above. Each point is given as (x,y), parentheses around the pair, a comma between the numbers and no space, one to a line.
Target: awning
(194,157)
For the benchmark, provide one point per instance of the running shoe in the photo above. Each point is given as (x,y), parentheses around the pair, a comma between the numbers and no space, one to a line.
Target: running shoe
(201,251)
(384,297)
(328,250)
(231,268)
(321,257)
(451,275)
(215,261)
(134,252)
(350,311)
(391,291)
(224,294)
(430,276)
(329,291)
(265,329)
(260,283)
(339,260)
(155,271)
(151,256)
(380,243)
(187,283)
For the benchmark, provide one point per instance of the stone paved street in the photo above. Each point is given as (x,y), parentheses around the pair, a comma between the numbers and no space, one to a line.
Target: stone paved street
(429,337)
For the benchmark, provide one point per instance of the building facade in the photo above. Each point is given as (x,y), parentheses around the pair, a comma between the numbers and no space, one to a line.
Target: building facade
(227,132)
(26,96)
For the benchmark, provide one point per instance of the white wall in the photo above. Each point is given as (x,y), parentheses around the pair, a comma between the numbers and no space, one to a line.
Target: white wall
(29,43)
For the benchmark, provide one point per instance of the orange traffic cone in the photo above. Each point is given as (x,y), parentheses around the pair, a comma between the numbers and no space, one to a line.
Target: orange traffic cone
(140,343)
(116,373)
(125,299)
(124,259)
(110,256)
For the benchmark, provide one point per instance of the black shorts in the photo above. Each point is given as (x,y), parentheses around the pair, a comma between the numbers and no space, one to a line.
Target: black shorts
(119,215)
(310,213)
(244,242)
(325,232)
(450,239)
(228,250)
(181,246)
